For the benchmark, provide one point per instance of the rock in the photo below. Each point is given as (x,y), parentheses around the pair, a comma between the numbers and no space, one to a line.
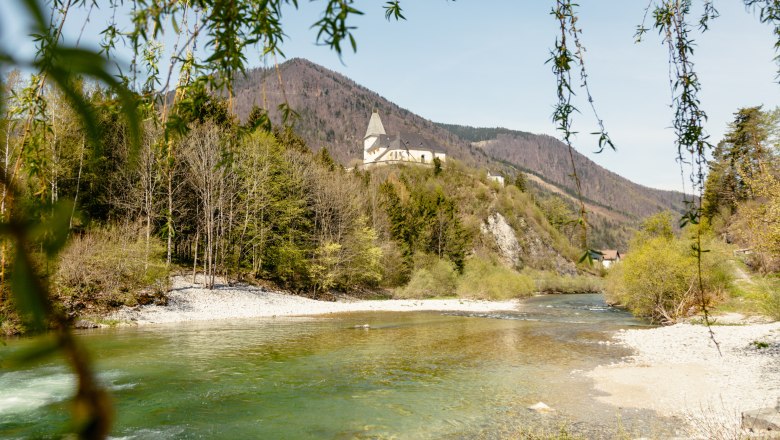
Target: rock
(83,323)
(764,419)
(157,298)
(541,408)
(506,240)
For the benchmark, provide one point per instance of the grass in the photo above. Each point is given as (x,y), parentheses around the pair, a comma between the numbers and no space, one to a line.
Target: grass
(754,295)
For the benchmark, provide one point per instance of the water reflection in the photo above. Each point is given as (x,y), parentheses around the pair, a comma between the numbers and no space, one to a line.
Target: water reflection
(409,375)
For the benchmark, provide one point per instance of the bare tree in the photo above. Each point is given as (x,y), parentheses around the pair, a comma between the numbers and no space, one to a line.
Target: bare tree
(209,173)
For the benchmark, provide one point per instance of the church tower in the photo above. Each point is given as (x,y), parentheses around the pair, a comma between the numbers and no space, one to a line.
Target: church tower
(374,130)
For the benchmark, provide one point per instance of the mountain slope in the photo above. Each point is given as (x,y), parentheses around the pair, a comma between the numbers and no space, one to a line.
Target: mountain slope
(334,112)
(549,159)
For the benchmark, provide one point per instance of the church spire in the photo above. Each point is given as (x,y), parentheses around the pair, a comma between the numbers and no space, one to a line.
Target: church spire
(375,127)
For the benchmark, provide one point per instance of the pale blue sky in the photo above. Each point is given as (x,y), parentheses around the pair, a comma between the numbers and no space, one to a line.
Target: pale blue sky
(482,63)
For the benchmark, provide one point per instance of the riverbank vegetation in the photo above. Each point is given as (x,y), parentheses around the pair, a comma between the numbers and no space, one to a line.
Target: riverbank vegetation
(242,200)
(658,278)
(740,238)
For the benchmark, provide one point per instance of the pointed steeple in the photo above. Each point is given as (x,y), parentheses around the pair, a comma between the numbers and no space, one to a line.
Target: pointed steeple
(375,127)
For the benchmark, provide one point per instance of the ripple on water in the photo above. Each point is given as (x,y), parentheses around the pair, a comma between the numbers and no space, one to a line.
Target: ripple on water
(28,390)
(166,433)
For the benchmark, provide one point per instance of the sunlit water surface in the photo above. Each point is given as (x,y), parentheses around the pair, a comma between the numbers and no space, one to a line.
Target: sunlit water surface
(411,375)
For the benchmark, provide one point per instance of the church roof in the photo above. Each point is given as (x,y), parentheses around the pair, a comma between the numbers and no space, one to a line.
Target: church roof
(375,127)
(404,141)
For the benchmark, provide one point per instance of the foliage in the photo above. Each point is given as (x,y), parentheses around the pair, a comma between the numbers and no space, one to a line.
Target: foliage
(658,279)
(426,221)
(738,160)
(432,277)
(563,58)
(108,267)
(552,283)
(741,196)
(771,304)
(356,264)
(487,279)
(655,226)
(769,12)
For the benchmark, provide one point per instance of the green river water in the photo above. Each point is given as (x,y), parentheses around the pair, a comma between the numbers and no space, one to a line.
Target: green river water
(411,375)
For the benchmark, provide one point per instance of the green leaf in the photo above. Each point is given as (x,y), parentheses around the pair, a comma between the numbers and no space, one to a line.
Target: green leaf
(25,291)
(53,232)
(45,346)
(36,12)
(79,103)
(174,24)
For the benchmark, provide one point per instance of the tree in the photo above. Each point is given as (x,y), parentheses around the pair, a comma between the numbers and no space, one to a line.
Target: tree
(658,279)
(209,176)
(738,159)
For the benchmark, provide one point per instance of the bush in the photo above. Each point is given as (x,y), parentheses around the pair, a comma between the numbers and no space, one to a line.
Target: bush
(108,267)
(771,304)
(658,279)
(433,278)
(552,282)
(485,279)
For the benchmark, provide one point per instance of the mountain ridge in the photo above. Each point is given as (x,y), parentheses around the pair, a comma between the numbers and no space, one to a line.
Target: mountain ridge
(334,111)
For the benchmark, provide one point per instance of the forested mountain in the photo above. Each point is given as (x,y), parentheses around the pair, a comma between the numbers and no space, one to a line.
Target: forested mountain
(548,158)
(334,112)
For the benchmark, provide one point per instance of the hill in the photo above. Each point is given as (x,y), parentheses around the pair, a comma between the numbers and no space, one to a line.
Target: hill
(548,158)
(334,112)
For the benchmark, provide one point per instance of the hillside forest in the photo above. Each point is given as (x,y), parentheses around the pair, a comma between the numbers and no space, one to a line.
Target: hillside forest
(250,201)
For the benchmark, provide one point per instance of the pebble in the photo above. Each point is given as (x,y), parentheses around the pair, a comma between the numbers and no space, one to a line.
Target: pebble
(192,302)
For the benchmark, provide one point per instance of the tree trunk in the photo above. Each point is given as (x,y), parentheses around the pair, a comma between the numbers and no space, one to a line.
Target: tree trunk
(195,258)
(78,184)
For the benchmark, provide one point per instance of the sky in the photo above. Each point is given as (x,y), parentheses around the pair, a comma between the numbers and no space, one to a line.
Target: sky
(482,63)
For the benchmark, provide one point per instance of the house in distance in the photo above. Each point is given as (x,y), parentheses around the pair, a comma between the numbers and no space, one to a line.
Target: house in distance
(379,148)
(609,257)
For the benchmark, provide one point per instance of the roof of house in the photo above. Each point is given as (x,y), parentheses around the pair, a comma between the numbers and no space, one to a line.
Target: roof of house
(610,254)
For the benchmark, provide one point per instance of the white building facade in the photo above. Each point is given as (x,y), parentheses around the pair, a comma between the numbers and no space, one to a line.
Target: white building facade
(380,148)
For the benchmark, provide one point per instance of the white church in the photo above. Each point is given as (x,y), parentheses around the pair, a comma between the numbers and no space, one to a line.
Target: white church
(379,148)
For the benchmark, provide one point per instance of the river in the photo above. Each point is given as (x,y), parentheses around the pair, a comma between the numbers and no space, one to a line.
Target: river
(410,375)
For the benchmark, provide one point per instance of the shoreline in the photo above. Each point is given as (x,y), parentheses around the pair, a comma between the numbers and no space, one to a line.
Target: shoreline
(189,302)
(675,371)
(678,372)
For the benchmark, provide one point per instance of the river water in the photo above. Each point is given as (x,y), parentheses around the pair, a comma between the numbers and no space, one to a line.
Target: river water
(410,375)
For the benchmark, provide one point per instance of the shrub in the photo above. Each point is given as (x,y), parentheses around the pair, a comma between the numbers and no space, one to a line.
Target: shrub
(433,278)
(393,269)
(551,282)
(486,279)
(107,267)
(771,304)
(658,279)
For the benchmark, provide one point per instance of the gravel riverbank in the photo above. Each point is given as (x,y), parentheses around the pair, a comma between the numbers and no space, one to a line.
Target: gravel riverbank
(676,371)
(191,302)
(679,372)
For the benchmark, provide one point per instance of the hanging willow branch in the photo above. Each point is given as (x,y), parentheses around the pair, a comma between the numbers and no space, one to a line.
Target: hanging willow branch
(563,60)
(671,21)
(769,12)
